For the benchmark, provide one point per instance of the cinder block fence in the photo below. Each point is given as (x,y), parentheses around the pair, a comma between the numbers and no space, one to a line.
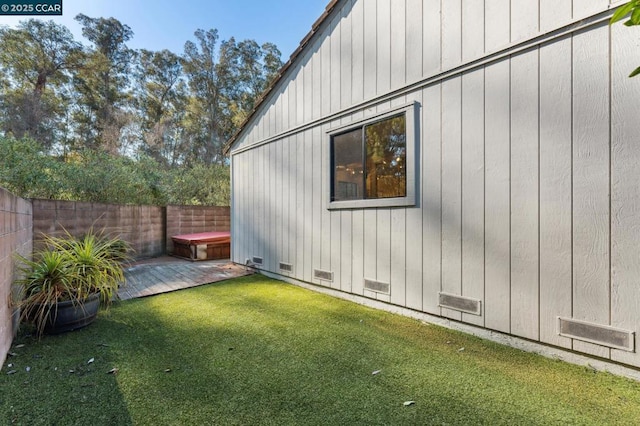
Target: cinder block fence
(16,236)
(147,228)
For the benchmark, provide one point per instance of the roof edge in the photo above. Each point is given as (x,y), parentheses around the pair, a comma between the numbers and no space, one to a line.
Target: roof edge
(296,53)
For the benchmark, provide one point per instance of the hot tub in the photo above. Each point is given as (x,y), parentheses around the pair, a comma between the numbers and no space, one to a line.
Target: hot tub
(203,246)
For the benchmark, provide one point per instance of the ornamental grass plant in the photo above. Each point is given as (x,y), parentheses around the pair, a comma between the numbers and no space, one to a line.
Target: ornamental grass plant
(70,269)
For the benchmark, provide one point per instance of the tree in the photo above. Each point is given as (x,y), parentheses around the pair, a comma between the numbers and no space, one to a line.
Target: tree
(27,170)
(258,66)
(225,82)
(632,10)
(94,176)
(37,57)
(200,184)
(38,52)
(161,99)
(100,177)
(106,123)
(102,83)
(204,119)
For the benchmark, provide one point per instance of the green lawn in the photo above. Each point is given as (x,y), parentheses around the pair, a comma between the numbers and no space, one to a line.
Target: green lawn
(256,351)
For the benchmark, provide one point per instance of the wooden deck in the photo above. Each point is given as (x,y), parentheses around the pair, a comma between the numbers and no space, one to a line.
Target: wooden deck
(166,274)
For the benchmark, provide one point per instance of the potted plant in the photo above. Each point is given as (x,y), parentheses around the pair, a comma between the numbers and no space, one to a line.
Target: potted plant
(15,316)
(69,278)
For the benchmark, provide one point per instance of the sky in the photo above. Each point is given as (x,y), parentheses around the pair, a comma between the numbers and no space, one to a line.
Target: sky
(164,24)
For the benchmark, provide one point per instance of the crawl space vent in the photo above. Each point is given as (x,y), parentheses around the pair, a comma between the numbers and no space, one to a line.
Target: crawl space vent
(323,275)
(286,267)
(599,334)
(257,260)
(459,303)
(377,286)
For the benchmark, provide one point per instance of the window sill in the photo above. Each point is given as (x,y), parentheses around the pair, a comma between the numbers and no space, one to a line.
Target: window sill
(372,203)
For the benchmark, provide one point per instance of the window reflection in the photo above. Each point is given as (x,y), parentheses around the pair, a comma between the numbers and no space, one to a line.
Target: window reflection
(370,161)
(386,158)
(348,179)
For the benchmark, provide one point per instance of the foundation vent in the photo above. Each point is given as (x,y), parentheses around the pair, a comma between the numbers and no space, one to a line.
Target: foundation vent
(286,267)
(459,303)
(257,260)
(599,334)
(323,275)
(377,286)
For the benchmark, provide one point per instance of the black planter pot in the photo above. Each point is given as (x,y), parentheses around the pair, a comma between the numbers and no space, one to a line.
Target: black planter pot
(69,317)
(15,321)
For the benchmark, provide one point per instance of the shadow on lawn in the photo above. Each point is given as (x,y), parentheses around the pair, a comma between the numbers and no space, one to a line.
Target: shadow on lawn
(240,353)
(61,379)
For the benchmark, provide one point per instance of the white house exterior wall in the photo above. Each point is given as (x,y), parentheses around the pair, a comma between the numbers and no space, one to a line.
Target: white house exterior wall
(528,178)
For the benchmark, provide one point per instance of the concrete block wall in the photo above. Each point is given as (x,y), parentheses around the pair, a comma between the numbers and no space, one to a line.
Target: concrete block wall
(193,219)
(15,237)
(147,228)
(141,226)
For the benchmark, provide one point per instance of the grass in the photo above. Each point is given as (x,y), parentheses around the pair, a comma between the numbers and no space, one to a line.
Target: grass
(254,351)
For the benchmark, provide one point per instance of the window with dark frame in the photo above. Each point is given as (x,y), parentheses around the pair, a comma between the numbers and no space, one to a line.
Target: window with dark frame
(369,161)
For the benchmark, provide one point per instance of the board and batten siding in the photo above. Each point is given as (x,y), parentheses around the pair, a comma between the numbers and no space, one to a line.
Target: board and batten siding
(528,196)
